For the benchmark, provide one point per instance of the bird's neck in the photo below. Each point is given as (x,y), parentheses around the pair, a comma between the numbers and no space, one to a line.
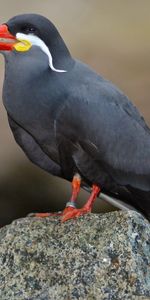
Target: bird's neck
(60,54)
(57,47)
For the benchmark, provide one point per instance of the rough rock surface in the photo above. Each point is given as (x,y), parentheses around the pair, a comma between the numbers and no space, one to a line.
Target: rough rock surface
(97,257)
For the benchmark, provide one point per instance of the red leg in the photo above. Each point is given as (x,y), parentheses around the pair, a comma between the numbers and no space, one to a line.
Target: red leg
(76,182)
(74,212)
(71,205)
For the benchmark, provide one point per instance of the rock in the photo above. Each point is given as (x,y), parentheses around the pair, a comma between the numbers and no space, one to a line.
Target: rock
(96,257)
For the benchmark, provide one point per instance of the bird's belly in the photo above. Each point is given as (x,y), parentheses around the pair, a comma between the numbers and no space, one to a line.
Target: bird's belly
(92,170)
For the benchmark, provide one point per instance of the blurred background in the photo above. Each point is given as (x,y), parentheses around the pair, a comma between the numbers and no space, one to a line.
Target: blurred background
(113,37)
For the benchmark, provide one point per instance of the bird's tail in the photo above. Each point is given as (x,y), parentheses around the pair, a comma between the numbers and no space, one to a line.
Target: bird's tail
(116,202)
(141,200)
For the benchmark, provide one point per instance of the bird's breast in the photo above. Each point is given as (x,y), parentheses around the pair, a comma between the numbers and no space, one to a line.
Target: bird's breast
(30,105)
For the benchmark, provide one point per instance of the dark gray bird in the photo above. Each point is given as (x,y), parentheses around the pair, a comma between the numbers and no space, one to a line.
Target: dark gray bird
(70,121)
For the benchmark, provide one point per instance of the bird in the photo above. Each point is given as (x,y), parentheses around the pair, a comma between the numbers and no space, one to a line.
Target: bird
(72,122)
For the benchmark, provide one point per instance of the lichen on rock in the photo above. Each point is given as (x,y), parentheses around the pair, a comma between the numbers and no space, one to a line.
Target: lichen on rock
(96,257)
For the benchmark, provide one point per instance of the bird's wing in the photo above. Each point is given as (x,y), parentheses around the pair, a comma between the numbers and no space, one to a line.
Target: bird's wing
(109,128)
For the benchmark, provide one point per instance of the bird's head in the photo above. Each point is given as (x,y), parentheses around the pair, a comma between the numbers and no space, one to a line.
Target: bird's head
(23,32)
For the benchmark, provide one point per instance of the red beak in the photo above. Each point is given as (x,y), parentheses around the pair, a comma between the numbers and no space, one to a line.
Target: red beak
(7,40)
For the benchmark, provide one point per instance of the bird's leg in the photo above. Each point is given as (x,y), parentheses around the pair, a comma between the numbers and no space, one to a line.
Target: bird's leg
(74,212)
(76,182)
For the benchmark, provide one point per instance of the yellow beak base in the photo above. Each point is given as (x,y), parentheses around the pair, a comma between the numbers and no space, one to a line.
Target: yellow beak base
(22,46)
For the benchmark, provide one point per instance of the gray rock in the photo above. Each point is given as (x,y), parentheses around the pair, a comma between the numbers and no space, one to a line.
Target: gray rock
(96,257)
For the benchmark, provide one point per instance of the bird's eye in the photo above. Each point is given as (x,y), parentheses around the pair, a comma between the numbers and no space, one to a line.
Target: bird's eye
(31,29)
(28,29)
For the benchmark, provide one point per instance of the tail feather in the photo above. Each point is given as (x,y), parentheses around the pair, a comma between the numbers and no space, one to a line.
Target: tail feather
(116,202)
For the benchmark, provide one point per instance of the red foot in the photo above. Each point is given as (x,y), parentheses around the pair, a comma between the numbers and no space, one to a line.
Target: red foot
(72,213)
(44,215)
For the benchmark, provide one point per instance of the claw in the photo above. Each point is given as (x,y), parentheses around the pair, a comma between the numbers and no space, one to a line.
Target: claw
(72,213)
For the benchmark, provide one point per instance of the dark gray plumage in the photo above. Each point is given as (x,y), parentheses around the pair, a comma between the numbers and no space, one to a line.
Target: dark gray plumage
(75,121)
